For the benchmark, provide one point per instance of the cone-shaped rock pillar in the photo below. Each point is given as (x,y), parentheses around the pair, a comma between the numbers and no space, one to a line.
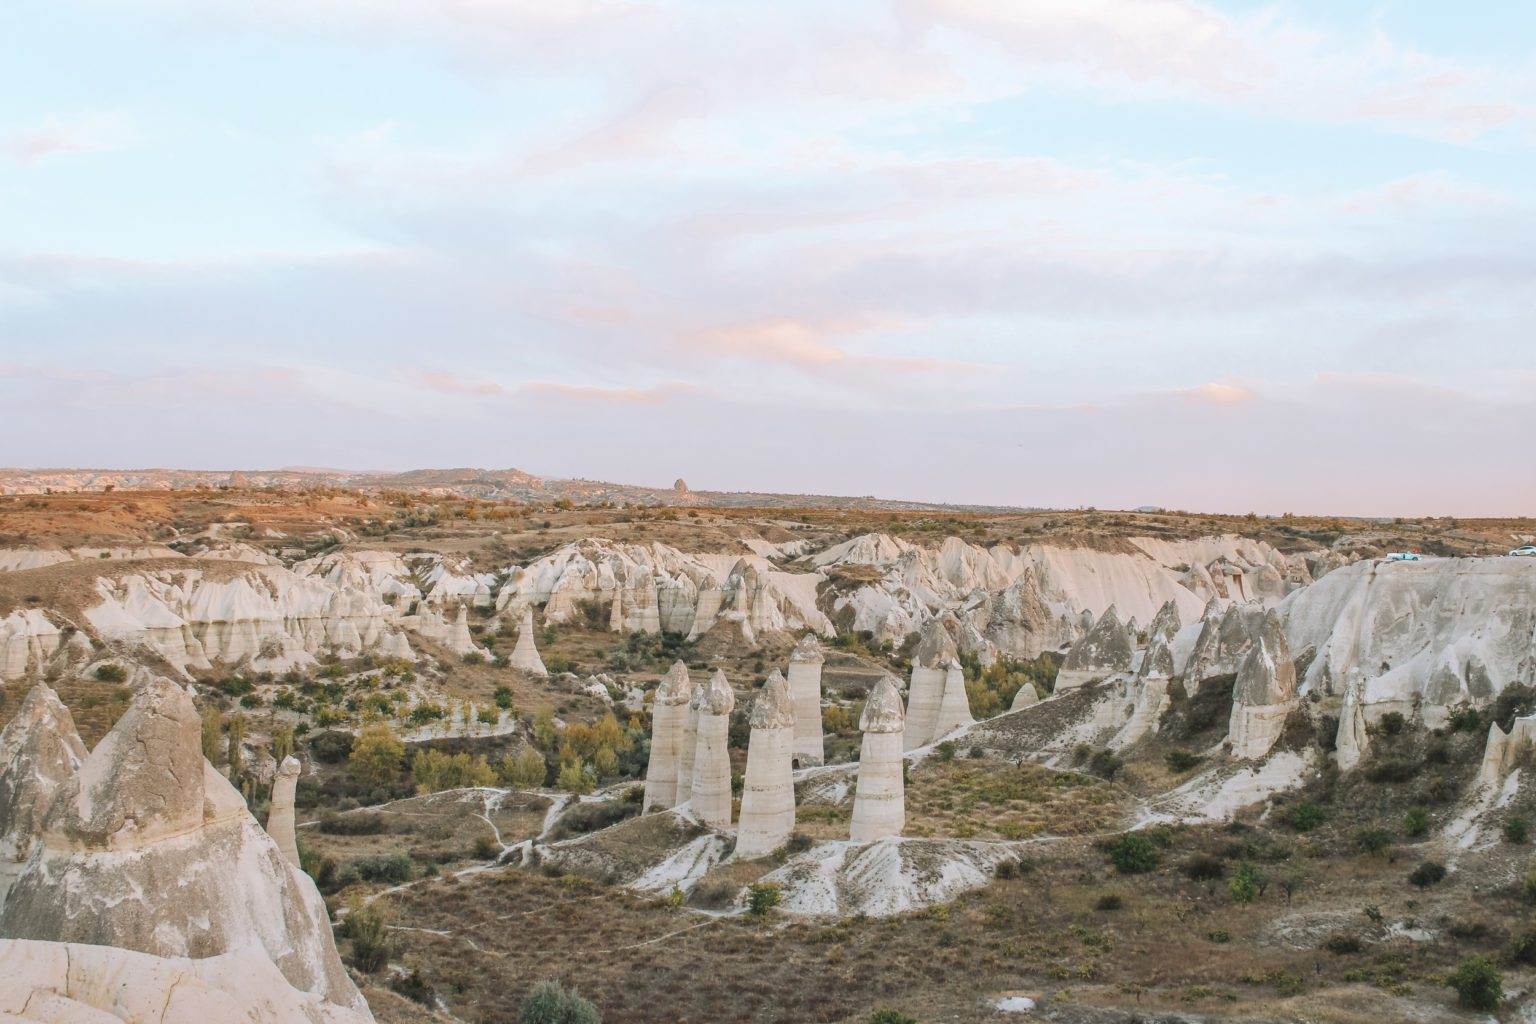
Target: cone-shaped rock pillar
(525,656)
(954,705)
(768,790)
(1027,696)
(280,815)
(879,801)
(1105,651)
(689,748)
(39,751)
(805,691)
(1353,740)
(669,713)
(1165,623)
(935,650)
(711,796)
(1265,693)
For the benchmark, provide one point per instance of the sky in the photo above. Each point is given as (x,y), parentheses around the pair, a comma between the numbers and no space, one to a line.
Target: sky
(1228,256)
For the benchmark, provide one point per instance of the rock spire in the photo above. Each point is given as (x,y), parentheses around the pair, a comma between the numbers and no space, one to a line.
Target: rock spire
(879,802)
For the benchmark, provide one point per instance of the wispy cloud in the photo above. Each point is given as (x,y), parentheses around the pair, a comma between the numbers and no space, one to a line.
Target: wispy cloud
(59,135)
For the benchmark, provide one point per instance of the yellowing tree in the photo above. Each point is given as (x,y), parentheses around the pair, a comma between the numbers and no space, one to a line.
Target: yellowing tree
(376,755)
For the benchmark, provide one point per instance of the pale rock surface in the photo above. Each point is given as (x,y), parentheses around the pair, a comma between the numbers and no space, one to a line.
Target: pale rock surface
(879,802)
(28,640)
(525,656)
(1353,741)
(690,745)
(1107,650)
(1166,623)
(954,704)
(148,848)
(805,663)
(669,713)
(925,695)
(1224,640)
(39,751)
(1438,632)
(1148,694)
(710,796)
(280,827)
(1264,695)
(1505,750)
(1026,697)
(75,983)
(891,876)
(768,788)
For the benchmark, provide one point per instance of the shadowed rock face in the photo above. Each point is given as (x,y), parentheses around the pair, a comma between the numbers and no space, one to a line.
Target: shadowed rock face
(1106,650)
(39,751)
(668,720)
(768,789)
(879,802)
(148,848)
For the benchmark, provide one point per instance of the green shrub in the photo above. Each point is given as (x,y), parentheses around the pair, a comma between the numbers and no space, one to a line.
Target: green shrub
(1248,883)
(414,987)
(552,1003)
(1427,874)
(1517,830)
(1105,764)
(1372,840)
(1392,723)
(1342,944)
(1181,760)
(891,1017)
(1203,868)
(392,868)
(357,823)
(945,750)
(762,897)
(1416,822)
(1305,816)
(1478,984)
(367,925)
(1523,949)
(1133,853)
(1109,901)
(111,673)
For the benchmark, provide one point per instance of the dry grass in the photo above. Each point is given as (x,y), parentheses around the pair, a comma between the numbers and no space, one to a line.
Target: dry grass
(984,799)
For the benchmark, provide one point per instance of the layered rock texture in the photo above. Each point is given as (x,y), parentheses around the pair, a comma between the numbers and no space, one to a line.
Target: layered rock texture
(148,848)
(39,751)
(879,802)
(1265,693)
(280,825)
(1107,650)
(669,719)
(805,663)
(710,796)
(931,660)
(768,788)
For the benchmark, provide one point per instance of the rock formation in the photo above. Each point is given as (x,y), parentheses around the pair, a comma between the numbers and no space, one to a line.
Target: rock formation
(1505,750)
(1264,695)
(688,752)
(879,802)
(1225,638)
(280,814)
(805,690)
(1165,623)
(930,661)
(525,656)
(1105,651)
(669,713)
(1353,740)
(39,751)
(148,848)
(954,704)
(1027,696)
(1148,694)
(711,792)
(768,789)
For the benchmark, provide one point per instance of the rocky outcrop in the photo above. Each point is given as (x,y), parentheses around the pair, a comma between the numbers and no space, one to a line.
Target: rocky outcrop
(1148,694)
(1504,750)
(711,792)
(74,983)
(805,663)
(28,641)
(280,826)
(768,788)
(39,751)
(1353,740)
(690,745)
(1224,640)
(148,848)
(1027,696)
(879,801)
(1166,623)
(525,656)
(931,659)
(669,713)
(1425,635)
(1106,651)
(1264,695)
(954,704)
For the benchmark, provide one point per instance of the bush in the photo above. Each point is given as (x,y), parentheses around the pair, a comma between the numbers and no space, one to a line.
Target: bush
(376,755)
(393,868)
(358,823)
(367,925)
(414,987)
(1478,984)
(1109,901)
(1248,883)
(1523,949)
(891,1017)
(1204,868)
(111,673)
(1133,853)
(762,897)
(1304,817)
(1372,840)
(945,750)
(583,817)
(1517,830)
(1181,760)
(1427,874)
(552,1003)
(1342,944)
(1416,822)
(1392,723)
(1104,764)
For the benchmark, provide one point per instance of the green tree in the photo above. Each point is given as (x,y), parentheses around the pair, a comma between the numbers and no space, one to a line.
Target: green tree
(575,777)
(213,734)
(1478,984)
(525,771)
(376,755)
(1133,853)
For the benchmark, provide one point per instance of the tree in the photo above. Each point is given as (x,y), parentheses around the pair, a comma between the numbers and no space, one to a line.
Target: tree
(1247,883)
(236,755)
(1478,984)
(376,755)
(435,770)
(525,771)
(552,1003)
(282,742)
(213,729)
(575,777)
(1133,853)
(762,897)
